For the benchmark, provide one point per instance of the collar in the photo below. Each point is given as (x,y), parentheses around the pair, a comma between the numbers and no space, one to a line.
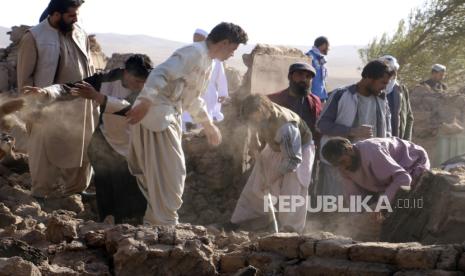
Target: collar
(353,90)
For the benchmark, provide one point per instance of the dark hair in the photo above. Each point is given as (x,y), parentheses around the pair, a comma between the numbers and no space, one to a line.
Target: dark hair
(376,69)
(62,6)
(253,103)
(320,41)
(138,65)
(229,31)
(335,148)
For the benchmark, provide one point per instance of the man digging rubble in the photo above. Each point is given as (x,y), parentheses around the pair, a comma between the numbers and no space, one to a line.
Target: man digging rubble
(282,168)
(156,157)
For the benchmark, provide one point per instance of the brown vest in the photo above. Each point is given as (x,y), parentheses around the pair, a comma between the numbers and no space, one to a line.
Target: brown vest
(280,116)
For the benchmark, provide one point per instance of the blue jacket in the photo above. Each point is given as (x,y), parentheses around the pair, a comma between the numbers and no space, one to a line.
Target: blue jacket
(319,81)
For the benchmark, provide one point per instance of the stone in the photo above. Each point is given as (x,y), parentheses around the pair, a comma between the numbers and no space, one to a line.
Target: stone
(417,257)
(266,262)
(286,244)
(55,270)
(232,262)
(82,260)
(333,248)
(448,258)
(330,267)
(60,228)
(7,218)
(70,203)
(10,248)
(307,248)
(16,266)
(376,252)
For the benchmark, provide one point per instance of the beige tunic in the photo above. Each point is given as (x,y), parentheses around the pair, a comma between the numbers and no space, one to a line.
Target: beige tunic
(155,156)
(57,164)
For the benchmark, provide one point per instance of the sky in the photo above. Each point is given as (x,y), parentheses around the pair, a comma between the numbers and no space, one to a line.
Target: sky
(285,22)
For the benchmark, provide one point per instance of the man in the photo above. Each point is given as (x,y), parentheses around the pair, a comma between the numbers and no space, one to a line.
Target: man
(317,53)
(399,102)
(115,91)
(435,82)
(298,98)
(282,168)
(57,50)
(217,90)
(376,165)
(359,111)
(155,154)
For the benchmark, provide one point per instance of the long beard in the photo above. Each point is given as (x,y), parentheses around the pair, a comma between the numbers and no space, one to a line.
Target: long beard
(64,27)
(299,88)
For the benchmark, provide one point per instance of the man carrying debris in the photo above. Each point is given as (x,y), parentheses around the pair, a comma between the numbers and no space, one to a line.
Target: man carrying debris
(57,50)
(435,82)
(376,165)
(117,190)
(217,89)
(399,102)
(318,52)
(359,111)
(156,157)
(282,168)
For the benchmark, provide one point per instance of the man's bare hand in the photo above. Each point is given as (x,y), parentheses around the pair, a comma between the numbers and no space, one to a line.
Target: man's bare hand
(32,90)
(87,91)
(212,132)
(362,132)
(138,112)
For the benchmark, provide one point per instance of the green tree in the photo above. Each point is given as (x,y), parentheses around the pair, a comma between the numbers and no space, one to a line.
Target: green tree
(433,33)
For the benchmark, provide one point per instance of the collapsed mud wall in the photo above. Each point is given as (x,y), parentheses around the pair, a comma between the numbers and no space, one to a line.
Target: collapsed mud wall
(439,121)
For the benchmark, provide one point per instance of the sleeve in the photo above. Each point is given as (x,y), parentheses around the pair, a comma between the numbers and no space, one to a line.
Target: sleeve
(27,59)
(410,119)
(222,82)
(288,136)
(350,188)
(180,64)
(327,123)
(115,105)
(385,167)
(62,92)
(388,118)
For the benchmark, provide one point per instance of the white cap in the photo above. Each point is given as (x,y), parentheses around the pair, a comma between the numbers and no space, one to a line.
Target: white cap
(201,32)
(439,68)
(390,61)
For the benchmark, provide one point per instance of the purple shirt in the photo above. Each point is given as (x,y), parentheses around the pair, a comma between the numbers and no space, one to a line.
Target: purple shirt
(386,164)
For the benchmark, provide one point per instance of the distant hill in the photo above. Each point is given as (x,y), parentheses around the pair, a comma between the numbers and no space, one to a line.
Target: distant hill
(343,61)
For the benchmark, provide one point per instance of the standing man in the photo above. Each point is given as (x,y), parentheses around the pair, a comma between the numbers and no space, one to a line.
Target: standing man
(358,112)
(298,98)
(399,102)
(317,53)
(156,157)
(57,50)
(435,82)
(117,190)
(217,89)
